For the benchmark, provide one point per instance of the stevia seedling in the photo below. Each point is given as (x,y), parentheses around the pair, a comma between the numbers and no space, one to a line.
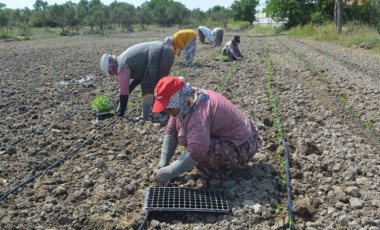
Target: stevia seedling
(342,99)
(278,208)
(101,103)
(222,58)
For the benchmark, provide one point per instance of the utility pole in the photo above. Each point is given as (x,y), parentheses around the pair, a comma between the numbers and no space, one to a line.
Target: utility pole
(338,11)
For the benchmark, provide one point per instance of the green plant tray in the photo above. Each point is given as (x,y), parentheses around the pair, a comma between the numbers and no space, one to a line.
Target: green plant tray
(222,58)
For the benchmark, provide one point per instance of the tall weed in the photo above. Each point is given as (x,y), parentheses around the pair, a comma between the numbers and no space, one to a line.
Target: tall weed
(352,34)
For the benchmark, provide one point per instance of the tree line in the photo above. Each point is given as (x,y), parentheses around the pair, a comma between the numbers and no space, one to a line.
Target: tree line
(71,17)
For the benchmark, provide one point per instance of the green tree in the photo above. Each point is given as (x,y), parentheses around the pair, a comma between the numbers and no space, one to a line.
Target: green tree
(98,14)
(3,16)
(245,10)
(177,13)
(158,9)
(23,19)
(292,12)
(220,14)
(71,19)
(41,13)
(57,15)
(365,11)
(123,14)
(198,17)
(144,16)
(82,11)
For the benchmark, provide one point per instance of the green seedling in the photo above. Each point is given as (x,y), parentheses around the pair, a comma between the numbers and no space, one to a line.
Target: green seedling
(222,58)
(101,103)
(278,208)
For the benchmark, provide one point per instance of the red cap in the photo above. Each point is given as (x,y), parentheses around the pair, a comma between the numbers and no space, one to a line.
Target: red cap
(165,88)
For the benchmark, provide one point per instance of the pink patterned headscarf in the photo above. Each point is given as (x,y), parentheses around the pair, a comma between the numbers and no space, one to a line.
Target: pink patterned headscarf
(177,101)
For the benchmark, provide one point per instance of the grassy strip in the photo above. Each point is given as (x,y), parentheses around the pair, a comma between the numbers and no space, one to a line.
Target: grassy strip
(342,98)
(352,36)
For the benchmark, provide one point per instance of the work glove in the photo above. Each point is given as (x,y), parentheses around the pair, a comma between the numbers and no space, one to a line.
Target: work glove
(123,105)
(168,147)
(182,165)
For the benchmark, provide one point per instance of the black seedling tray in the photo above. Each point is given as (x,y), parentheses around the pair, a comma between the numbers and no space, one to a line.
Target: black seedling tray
(110,113)
(104,115)
(185,199)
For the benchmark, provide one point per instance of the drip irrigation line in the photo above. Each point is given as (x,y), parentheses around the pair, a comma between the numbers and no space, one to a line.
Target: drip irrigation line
(358,123)
(287,166)
(58,162)
(287,173)
(69,154)
(144,223)
(28,134)
(288,184)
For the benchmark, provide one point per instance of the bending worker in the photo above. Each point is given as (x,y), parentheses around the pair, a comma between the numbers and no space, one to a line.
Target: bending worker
(145,63)
(204,34)
(183,40)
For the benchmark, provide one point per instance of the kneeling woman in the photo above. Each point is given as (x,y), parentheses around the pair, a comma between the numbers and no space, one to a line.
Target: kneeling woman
(218,137)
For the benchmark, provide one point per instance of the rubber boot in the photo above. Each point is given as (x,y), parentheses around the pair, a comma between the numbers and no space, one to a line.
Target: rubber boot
(147,106)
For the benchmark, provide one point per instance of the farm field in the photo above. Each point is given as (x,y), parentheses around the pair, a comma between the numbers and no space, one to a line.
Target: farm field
(99,170)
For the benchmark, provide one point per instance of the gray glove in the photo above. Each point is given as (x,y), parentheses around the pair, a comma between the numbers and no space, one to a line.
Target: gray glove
(183,164)
(168,147)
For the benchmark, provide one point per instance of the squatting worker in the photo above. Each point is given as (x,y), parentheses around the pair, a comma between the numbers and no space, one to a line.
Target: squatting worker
(183,40)
(217,36)
(146,63)
(217,136)
(231,49)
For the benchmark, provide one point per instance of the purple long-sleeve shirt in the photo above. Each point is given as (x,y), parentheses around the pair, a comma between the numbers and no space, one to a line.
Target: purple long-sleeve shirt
(217,117)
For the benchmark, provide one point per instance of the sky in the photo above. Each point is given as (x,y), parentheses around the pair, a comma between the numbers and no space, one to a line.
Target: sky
(204,5)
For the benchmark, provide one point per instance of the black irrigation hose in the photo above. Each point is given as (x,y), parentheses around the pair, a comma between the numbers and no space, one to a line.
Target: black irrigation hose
(287,172)
(358,123)
(287,169)
(288,184)
(27,135)
(55,164)
(144,223)
(376,138)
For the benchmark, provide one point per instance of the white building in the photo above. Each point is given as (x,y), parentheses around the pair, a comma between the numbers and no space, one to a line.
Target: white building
(262,18)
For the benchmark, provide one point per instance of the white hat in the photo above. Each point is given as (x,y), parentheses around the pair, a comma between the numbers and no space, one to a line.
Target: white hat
(169,41)
(104,61)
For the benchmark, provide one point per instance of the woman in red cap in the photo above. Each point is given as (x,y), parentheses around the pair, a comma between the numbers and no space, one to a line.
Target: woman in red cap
(218,137)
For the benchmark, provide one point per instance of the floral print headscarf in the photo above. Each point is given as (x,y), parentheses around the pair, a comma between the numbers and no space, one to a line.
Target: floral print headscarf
(187,100)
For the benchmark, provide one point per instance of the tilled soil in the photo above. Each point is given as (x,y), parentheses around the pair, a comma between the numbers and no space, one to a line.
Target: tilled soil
(83,173)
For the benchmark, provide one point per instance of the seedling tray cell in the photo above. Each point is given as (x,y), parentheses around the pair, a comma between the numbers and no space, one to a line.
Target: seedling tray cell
(185,199)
